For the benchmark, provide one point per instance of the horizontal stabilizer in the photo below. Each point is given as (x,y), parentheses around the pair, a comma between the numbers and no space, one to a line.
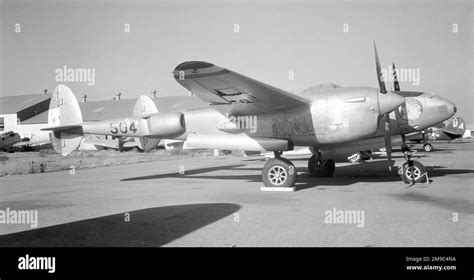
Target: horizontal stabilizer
(62,127)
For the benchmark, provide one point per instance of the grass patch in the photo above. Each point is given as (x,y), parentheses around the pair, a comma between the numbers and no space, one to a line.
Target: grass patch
(49,161)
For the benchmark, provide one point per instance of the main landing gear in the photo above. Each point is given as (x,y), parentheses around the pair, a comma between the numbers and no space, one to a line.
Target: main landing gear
(319,167)
(411,171)
(281,173)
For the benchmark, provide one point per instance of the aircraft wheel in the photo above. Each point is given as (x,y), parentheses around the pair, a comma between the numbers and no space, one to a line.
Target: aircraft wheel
(324,169)
(412,173)
(428,147)
(279,172)
(365,155)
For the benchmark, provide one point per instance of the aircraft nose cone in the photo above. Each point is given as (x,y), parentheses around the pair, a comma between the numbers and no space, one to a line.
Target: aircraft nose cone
(446,108)
(389,102)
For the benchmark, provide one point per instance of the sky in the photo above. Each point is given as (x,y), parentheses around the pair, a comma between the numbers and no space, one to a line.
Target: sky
(273,38)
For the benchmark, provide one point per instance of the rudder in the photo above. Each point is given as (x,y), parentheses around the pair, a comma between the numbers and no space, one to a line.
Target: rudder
(145,106)
(456,127)
(64,110)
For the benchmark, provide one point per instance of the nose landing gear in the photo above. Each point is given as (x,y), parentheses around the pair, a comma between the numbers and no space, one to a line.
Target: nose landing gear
(411,171)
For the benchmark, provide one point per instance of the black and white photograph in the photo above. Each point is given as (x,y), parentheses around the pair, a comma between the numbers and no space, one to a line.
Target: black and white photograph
(236,123)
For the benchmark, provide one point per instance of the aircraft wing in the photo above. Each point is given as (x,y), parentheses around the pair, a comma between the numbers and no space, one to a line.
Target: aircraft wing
(32,143)
(233,93)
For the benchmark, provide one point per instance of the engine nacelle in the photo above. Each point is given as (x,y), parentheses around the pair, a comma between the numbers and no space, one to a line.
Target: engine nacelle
(166,125)
(345,114)
(342,115)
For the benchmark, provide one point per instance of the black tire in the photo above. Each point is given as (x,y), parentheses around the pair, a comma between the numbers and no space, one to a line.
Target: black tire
(365,155)
(311,163)
(428,147)
(324,169)
(279,173)
(417,170)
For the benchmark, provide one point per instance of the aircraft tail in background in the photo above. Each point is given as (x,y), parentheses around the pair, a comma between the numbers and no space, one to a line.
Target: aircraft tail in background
(455,128)
(66,118)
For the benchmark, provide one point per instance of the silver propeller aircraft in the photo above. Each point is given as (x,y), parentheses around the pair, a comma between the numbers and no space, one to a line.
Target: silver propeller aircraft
(245,114)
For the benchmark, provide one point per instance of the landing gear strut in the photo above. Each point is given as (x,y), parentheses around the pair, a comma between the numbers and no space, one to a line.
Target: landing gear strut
(279,172)
(411,171)
(319,167)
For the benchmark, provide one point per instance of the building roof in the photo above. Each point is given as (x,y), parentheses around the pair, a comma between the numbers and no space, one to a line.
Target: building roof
(110,109)
(16,103)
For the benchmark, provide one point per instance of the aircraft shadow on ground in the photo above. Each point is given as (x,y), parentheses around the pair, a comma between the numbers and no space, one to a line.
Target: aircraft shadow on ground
(369,171)
(452,204)
(185,173)
(375,171)
(147,227)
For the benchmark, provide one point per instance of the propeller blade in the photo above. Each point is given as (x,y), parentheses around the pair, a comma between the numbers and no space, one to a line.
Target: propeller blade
(388,140)
(379,72)
(396,85)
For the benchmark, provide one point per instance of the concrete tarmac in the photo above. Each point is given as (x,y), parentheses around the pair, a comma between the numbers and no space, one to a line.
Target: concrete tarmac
(218,202)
